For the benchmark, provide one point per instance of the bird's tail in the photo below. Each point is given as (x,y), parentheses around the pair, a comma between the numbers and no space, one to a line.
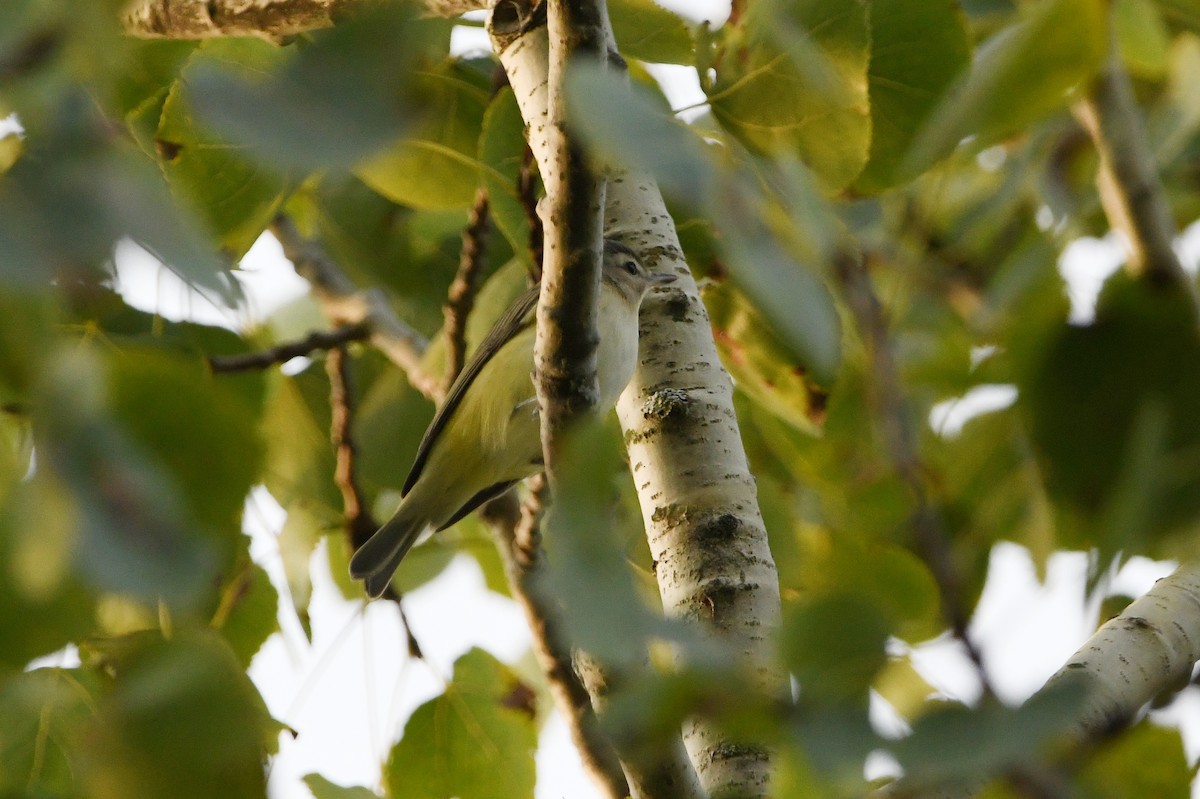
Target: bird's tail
(376,561)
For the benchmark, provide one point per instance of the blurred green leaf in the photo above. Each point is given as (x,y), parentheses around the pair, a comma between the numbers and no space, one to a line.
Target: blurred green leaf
(42,606)
(1147,760)
(475,741)
(183,720)
(435,165)
(916,52)
(958,744)
(134,531)
(1019,75)
(791,75)
(1109,407)
(647,31)
(46,712)
(834,646)
(586,567)
(625,126)
(215,456)
(341,98)
(76,178)
(1143,40)
(793,300)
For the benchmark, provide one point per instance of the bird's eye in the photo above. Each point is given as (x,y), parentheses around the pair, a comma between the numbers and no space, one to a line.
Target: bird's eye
(631,267)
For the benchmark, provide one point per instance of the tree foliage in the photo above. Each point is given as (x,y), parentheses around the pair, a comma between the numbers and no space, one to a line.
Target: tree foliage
(877,194)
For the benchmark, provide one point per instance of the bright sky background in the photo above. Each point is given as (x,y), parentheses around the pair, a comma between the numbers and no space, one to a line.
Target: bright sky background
(349,692)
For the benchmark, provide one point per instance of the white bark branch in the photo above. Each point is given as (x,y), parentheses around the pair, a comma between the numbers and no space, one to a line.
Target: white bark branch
(1147,651)
(274,20)
(697,495)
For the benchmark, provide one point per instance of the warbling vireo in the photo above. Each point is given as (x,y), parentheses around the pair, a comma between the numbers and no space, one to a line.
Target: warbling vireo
(486,436)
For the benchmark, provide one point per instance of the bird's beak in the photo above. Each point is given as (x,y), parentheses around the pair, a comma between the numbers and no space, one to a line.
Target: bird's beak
(661,278)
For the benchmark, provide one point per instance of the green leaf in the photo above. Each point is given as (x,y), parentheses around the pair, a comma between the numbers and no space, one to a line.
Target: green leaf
(235,195)
(502,150)
(792,76)
(414,254)
(324,789)
(1020,75)
(248,613)
(475,741)
(300,460)
(45,713)
(435,166)
(649,32)
(215,456)
(917,49)
(183,720)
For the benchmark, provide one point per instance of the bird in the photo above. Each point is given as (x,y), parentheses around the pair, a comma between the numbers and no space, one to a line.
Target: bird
(487,435)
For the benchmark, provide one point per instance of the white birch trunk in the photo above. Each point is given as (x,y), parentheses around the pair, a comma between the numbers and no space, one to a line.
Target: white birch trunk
(697,495)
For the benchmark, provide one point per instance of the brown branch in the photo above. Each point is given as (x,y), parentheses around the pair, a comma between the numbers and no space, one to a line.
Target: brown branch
(1130,191)
(274,20)
(360,522)
(344,304)
(899,435)
(460,298)
(317,340)
(518,538)
(564,355)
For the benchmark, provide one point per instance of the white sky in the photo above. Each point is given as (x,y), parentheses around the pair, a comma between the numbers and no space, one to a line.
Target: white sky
(350,691)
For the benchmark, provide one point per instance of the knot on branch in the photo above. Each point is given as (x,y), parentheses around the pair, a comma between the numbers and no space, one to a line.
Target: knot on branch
(666,403)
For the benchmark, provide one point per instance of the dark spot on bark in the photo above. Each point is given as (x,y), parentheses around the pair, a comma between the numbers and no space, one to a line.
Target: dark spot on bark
(677,306)
(717,529)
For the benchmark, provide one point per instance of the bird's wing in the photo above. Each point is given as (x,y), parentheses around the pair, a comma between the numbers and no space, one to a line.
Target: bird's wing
(518,317)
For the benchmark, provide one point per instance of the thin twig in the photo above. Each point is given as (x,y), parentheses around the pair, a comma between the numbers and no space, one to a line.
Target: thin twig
(460,298)
(518,539)
(317,340)
(344,304)
(1130,191)
(899,436)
